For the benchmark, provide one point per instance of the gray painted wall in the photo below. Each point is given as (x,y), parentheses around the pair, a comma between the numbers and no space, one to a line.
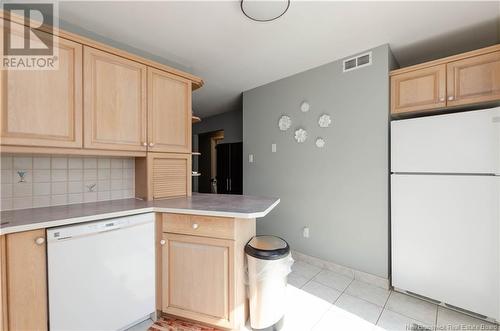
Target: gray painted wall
(230,122)
(341,191)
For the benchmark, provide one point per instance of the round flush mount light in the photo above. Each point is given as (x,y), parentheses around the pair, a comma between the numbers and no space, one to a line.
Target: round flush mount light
(264,11)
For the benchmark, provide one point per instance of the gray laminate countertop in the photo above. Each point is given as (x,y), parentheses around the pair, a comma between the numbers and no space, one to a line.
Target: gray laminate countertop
(236,206)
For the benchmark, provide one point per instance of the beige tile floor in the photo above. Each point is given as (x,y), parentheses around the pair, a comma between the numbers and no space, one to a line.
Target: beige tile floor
(322,300)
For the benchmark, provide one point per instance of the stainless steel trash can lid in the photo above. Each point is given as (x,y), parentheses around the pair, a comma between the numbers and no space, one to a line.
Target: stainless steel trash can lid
(267,247)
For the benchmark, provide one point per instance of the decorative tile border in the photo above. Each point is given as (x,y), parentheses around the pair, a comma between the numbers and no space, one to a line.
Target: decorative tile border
(356,274)
(29,181)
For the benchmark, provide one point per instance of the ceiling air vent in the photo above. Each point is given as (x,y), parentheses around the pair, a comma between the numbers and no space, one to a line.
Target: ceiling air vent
(357,62)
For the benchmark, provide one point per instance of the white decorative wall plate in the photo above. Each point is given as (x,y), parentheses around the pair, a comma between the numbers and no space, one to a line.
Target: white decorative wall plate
(284,123)
(304,106)
(300,135)
(320,142)
(324,121)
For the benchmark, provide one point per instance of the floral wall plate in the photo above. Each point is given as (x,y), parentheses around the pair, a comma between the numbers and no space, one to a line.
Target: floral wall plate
(300,135)
(304,107)
(284,123)
(324,121)
(320,143)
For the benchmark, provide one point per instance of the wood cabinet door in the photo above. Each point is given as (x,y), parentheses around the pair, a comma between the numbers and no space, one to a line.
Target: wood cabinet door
(198,278)
(169,112)
(114,102)
(27,280)
(474,80)
(422,89)
(44,107)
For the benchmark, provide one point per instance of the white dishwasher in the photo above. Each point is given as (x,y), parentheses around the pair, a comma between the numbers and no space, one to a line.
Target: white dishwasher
(101,274)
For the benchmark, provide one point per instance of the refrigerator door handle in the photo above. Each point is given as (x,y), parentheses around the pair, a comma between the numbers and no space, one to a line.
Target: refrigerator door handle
(227,184)
(230,185)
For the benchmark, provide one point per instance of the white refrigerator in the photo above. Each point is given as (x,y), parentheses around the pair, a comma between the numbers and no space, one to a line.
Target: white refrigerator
(445,209)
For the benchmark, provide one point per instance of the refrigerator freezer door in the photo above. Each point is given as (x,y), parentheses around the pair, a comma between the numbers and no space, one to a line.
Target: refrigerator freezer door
(466,143)
(445,239)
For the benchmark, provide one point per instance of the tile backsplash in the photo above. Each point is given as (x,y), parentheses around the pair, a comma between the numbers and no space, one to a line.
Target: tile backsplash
(43,180)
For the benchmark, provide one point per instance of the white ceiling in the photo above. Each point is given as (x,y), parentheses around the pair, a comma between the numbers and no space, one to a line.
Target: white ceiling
(215,41)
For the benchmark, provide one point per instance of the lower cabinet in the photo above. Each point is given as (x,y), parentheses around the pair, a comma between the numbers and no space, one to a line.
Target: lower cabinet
(196,274)
(203,277)
(25,269)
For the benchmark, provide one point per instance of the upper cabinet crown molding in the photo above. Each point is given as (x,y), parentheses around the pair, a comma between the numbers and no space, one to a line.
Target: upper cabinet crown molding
(47,110)
(115,102)
(196,81)
(465,79)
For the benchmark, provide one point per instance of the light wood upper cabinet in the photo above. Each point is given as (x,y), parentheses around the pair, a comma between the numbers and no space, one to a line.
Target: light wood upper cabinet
(169,112)
(474,80)
(465,79)
(114,102)
(418,90)
(27,280)
(44,107)
(197,278)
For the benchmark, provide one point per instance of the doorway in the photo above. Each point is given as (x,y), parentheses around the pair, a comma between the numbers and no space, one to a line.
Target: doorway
(207,164)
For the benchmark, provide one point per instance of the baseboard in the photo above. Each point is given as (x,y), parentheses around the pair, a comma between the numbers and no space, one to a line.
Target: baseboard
(356,274)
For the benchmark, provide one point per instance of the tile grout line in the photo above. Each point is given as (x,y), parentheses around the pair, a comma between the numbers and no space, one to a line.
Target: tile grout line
(383,308)
(331,304)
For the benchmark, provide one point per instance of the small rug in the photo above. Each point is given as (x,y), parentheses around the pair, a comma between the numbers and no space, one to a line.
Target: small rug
(171,324)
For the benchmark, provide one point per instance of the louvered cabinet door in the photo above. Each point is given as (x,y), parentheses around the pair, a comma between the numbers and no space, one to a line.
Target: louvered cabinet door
(170,175)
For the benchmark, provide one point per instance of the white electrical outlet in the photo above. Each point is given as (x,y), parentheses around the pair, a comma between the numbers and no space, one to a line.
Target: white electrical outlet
(305,232)
(250,158)
(273,148)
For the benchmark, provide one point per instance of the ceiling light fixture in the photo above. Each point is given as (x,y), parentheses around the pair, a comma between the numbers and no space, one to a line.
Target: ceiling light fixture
(264,11)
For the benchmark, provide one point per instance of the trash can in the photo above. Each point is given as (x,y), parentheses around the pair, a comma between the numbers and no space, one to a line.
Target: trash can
(269,263)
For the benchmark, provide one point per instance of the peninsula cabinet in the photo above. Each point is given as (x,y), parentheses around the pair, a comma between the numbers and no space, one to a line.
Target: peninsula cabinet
(169,112)
(44,107)
(462,80)
(24,272)
(114,102)
(203,268)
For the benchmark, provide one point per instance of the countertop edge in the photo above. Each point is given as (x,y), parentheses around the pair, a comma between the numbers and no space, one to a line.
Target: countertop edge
(96,217)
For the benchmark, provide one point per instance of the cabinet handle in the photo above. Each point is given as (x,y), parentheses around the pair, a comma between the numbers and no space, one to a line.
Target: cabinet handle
(151,144)
(162,242)
(40,240)
(195,226)
(451,97)
(144,144)
(442,99)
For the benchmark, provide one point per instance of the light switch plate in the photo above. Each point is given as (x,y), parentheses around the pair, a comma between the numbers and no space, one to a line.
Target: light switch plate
(250,158)
(273,148)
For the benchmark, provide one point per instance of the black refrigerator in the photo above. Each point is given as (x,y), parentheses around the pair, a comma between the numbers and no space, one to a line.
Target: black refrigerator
(230,168)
